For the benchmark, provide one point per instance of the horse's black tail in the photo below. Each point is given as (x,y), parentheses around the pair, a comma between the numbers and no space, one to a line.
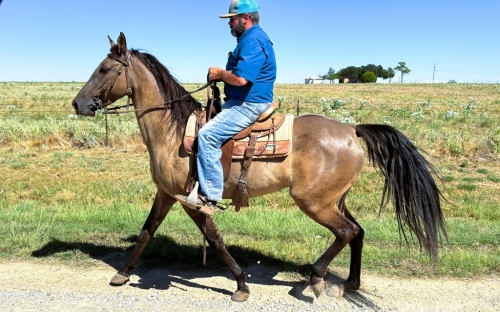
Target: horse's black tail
(408,183)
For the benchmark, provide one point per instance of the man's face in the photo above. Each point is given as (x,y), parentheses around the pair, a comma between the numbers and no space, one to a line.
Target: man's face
(237,25)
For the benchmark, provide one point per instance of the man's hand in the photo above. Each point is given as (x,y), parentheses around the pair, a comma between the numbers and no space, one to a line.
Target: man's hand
(218,74)
(215,74)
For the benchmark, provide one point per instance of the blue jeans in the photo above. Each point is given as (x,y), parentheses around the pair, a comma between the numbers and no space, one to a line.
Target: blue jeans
(234,117)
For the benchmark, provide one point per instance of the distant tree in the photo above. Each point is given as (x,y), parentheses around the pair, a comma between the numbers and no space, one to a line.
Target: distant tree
(389,74)
(354,73)
(331,75)
(403,69)
(368,77)
(351,73)
(371,68)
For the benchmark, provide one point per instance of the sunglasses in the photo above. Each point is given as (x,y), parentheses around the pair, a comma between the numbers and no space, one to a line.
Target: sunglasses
(237,17)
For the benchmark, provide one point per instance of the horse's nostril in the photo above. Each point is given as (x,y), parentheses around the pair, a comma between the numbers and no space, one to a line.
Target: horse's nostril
(75,105)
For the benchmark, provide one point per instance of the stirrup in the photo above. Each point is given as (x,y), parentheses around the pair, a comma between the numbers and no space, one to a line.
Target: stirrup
(192,198)
(200,206)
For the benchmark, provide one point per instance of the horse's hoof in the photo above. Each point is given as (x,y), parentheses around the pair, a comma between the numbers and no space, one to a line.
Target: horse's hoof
(317,287)
(240,296)
(119,279)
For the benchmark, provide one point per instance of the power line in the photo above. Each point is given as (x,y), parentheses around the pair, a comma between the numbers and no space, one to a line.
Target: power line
(419,71)
(466,72)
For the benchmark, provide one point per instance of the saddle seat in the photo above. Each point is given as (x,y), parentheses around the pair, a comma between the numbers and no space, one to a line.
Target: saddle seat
(269,111)
(267,122)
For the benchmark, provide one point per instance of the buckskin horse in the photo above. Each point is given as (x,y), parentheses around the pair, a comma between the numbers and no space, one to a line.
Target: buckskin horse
(325,161)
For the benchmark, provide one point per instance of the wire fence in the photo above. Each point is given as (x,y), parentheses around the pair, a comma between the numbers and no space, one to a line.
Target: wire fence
(26,108)
(25,101)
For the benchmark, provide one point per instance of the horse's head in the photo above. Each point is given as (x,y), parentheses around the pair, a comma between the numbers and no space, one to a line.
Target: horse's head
(108,83)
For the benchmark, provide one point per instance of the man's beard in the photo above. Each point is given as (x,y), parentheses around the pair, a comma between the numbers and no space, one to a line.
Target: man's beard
(238,30)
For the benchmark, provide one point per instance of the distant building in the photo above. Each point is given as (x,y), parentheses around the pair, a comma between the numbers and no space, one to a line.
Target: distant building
(316,80)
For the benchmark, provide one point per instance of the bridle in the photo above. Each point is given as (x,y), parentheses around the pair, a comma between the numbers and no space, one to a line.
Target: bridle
(107,87)
(124,64)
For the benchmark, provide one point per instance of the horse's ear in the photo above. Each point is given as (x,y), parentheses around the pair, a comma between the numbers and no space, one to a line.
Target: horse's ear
(111,42)
(122,44)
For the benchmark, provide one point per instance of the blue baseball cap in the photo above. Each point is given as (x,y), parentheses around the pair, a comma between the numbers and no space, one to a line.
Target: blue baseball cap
(241,6)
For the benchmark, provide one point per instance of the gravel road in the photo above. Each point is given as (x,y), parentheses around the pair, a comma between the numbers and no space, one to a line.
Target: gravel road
(45,286)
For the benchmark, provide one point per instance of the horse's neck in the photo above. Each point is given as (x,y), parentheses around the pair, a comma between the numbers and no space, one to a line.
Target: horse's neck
(154,124)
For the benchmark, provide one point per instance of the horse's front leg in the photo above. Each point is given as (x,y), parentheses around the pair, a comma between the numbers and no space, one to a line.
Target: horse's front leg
(209,229)
(161,206)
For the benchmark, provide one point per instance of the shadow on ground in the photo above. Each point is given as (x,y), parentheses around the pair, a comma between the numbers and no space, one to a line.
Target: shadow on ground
(165,263)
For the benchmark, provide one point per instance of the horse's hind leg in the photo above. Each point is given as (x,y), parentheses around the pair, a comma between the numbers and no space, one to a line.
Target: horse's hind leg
(161,206)
(354,280)
(343,229)
(209,229)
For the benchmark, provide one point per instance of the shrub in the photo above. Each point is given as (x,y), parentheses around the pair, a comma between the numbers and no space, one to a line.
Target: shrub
(369,77)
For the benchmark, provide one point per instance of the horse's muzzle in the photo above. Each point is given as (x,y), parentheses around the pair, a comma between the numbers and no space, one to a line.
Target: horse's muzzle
(88,110)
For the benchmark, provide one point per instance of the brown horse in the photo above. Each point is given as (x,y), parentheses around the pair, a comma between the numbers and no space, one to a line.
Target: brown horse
(325,162)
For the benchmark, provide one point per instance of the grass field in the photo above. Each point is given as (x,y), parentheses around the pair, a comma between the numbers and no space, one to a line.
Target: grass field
(68,192)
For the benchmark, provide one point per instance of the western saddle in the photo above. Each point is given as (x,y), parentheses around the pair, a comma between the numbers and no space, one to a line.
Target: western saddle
(242,146)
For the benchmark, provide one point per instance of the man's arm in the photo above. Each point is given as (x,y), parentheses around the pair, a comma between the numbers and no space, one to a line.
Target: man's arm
(227,76)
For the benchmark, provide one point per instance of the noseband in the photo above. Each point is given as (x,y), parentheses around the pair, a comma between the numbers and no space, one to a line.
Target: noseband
(107,87)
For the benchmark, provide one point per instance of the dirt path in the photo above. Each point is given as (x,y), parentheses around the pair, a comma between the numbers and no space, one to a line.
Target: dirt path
(41,286)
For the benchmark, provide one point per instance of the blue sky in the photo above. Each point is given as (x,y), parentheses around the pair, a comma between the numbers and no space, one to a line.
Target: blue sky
(62,40)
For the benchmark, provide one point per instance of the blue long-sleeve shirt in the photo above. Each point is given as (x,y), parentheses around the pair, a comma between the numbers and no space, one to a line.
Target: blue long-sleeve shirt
(252,59)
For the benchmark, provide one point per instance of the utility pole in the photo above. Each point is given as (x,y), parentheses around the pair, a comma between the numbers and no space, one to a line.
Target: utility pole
(433,72)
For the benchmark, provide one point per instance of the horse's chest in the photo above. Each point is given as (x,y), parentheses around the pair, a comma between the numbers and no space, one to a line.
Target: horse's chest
(169,172)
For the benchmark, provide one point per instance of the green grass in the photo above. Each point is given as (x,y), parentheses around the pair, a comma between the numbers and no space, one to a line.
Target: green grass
(272,236)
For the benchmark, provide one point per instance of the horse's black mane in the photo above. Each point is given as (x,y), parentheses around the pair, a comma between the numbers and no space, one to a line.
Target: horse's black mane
(170,90)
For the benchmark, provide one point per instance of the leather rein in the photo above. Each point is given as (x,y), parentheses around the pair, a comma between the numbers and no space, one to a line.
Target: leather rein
(107,87)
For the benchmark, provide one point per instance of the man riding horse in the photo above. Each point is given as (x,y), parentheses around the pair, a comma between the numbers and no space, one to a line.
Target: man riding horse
(248,85)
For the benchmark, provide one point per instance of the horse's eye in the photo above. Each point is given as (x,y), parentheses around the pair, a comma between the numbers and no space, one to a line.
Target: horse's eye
(104,70)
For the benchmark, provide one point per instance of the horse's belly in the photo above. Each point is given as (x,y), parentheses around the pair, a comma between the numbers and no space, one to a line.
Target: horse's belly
(264,176)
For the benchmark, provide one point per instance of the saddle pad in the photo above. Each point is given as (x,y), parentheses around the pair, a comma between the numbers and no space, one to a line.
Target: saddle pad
(265,145)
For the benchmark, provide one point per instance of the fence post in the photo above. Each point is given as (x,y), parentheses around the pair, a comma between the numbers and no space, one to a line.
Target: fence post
(298,107)
(107,131)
